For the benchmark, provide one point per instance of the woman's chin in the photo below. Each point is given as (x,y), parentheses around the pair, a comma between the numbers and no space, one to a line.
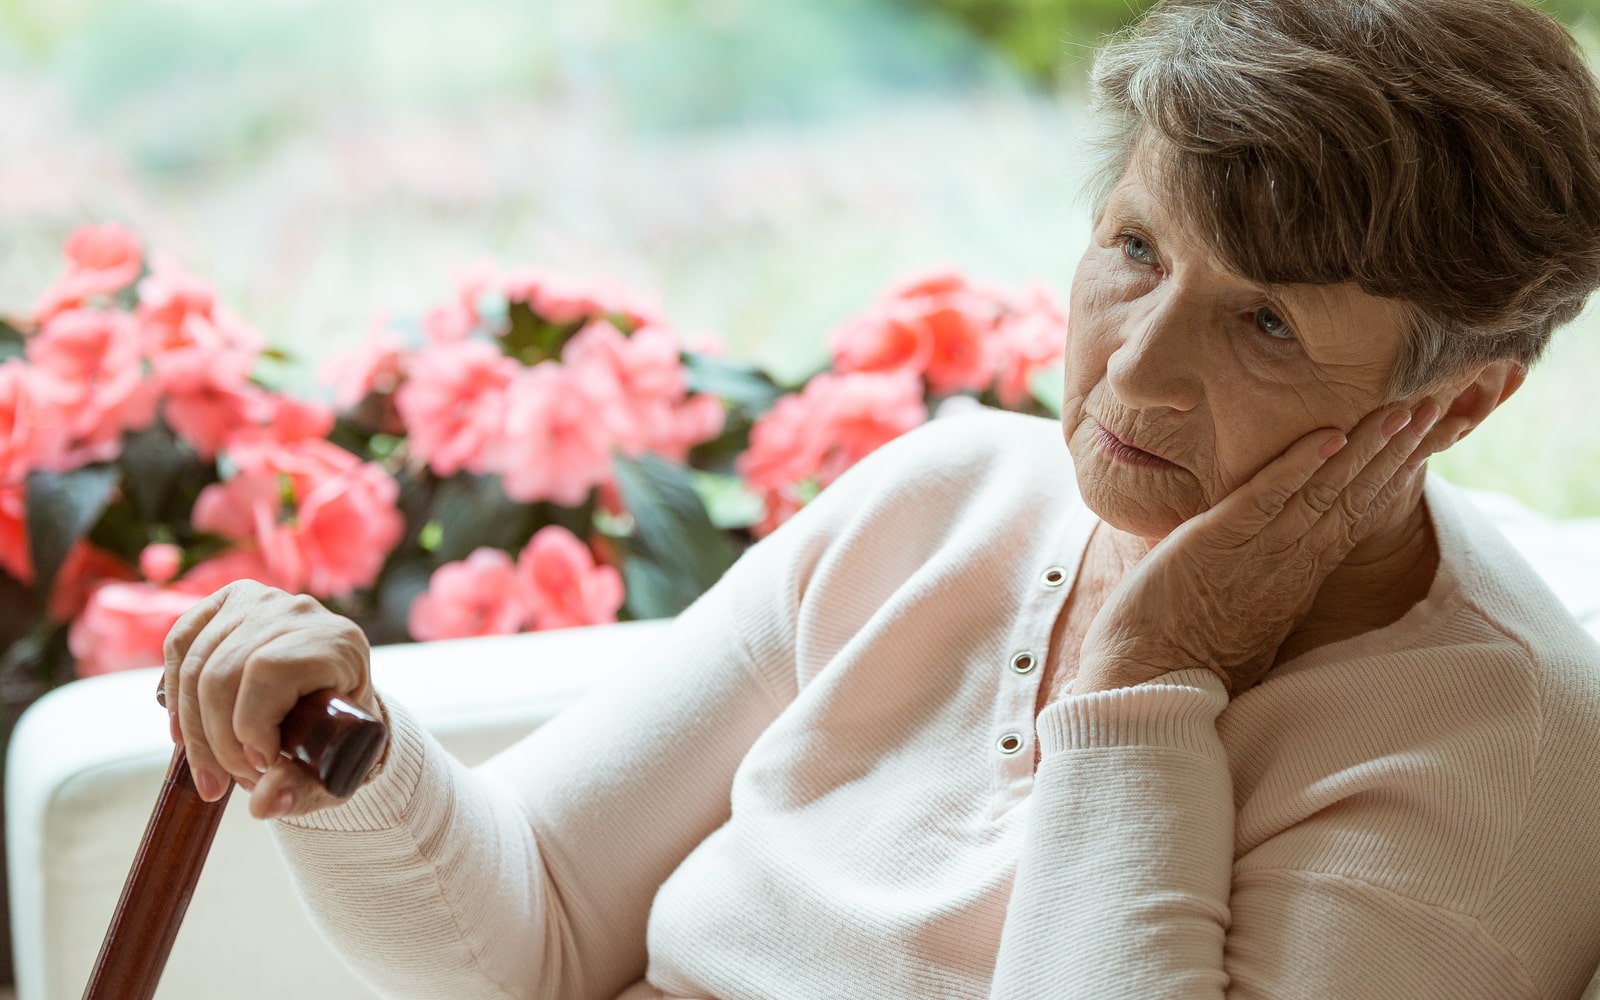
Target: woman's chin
(1129,509)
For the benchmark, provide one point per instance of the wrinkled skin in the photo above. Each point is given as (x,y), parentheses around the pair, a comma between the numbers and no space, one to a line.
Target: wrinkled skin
(1288,468)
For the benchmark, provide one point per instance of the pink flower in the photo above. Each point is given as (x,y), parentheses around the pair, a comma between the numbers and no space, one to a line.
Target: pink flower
(377,367)
(124,626)
(454,404)
(32,436)
(321,520)
(639,389)
(476,596)
(561,584)
(193,345)
(280,419)
(700,418)
(806,441)
(15,558)
(878,341)
(100,260)
(554,446)
(209,416)
(449,324)
(562,298)
(160,562)
(937,326)
(1030,337)
(88,365)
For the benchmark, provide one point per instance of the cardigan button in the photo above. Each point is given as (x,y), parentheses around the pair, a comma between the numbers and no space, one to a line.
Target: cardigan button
(1010,743)
(1024,662)
(1054,577)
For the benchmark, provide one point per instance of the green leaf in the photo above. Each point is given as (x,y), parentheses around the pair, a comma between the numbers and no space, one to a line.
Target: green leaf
(401,585)
(1048,386)
(721,452)
(530,339)
(31,666)
(651,591)
(743,384)
(472,512)
(62,507)
(683,552)
(122,532)
(163,475)
(12,342)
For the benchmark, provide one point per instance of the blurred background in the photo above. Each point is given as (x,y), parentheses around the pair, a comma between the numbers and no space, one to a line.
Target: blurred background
(760,168)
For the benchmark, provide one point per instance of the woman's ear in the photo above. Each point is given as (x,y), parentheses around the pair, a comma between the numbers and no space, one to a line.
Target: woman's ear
(1467,401)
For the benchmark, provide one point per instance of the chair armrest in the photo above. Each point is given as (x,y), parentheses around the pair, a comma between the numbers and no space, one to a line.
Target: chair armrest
(86,762)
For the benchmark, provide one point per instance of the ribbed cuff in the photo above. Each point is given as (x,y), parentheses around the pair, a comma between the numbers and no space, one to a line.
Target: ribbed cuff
(1177,710)
(381,803)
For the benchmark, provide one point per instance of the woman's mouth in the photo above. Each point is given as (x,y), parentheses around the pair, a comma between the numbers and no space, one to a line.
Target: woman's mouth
(1122,451)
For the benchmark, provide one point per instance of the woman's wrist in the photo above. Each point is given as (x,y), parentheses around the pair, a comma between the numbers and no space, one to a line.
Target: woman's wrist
(1112,675)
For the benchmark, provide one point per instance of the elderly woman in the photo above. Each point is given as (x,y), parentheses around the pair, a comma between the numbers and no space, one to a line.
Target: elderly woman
(1224,697)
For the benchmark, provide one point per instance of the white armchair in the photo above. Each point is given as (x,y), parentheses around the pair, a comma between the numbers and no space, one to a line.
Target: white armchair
(87,760)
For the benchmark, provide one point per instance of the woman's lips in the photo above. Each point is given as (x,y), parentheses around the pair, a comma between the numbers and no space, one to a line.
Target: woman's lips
(1122,451)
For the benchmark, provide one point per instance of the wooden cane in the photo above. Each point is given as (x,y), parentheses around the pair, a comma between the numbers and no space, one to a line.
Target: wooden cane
(333,739)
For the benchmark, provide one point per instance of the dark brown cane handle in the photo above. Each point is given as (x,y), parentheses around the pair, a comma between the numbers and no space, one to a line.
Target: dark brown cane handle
(333,739)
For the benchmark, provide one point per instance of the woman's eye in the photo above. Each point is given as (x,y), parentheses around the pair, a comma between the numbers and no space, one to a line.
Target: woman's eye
(1271,324)
(1138,250)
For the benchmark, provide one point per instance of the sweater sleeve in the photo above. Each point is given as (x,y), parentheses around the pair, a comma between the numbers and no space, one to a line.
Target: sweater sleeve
(532,875)
(1122,887)
(1125,888)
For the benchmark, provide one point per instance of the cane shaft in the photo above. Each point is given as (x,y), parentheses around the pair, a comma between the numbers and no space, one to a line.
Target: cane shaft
(158,889)
(335,741)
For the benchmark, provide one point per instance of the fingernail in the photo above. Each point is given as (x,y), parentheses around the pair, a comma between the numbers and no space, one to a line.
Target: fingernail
(256,759)
(177,730)
(1332,447)
(207,784)
(1394,422)
(245,783)
(161,693)
(281,805)
(1428,416)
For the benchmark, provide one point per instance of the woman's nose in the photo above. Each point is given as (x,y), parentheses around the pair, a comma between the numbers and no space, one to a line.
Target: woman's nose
(1157,362)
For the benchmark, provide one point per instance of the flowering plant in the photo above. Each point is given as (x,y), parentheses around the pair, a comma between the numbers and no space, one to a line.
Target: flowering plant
(539,451)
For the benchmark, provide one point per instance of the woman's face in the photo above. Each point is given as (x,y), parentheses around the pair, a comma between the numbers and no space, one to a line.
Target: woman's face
(1184,379)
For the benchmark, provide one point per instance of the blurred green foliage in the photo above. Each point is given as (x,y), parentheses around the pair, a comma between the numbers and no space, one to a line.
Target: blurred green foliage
(1049,40)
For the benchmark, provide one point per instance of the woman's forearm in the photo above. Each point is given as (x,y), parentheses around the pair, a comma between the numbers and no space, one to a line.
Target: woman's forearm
(413,880)
(1122,888)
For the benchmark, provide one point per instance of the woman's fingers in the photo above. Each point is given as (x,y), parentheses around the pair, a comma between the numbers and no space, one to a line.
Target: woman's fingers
(1326,485)
(1326,488)
(180,639)
(278,673)
(1375,484)
(1247,511)
(238,662)
(287,790)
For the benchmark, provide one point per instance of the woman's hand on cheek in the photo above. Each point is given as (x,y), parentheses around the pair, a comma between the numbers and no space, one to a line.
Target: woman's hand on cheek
(1227,587)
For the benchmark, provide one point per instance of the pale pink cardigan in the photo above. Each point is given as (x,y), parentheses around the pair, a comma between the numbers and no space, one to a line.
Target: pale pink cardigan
(820,784)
